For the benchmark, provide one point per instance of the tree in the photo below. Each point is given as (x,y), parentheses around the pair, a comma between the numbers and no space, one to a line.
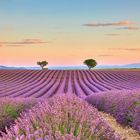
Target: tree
(91,63)
(42,64)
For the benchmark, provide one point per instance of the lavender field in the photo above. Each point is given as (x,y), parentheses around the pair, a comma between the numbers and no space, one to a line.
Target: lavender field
(65,104)
(45,84)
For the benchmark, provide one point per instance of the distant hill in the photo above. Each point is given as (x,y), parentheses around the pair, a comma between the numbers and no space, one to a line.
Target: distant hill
(67,67)
(133,65)
(18,68)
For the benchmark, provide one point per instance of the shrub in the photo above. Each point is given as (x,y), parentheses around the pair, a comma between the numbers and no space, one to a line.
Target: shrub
(123,105)
(61,118)
(10,109)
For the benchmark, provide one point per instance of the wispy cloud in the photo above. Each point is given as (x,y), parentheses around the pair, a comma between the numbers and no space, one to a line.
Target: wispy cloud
(104,55)
(22,43)
(129,28)
(120,23)
(14,45)
(125,49)
(25,41)
(132,49)
(113,34)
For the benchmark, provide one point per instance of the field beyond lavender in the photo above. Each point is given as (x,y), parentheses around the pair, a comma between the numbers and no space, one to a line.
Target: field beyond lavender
(65,104)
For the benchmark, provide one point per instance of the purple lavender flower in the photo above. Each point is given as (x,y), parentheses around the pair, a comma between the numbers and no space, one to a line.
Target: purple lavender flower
(123,105)
(64,117)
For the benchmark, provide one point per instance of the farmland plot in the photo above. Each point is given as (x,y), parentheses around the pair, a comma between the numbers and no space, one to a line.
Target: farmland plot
(47,83)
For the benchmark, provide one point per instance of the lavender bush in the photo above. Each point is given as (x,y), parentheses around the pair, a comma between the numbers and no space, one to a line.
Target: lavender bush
(63,117)
(10,109)
(123,105)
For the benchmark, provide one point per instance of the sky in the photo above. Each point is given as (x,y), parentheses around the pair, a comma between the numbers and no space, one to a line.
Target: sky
(66,32)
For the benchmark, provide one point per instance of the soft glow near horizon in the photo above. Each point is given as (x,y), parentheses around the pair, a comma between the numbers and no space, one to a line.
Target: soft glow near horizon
(68,32)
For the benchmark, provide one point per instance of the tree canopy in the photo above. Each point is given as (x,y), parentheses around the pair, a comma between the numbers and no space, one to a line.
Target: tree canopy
(42,64)
(91,63)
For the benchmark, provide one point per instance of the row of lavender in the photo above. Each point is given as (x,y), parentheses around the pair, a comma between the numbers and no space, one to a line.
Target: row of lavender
(63,117)
(123,105)
(29,83)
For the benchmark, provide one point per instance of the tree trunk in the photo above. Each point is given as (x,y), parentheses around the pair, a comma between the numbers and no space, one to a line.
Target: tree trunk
(89,67)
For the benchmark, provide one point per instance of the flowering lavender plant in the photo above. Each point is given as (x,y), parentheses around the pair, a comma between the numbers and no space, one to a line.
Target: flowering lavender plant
(123,105)
(10,109)
(64,117)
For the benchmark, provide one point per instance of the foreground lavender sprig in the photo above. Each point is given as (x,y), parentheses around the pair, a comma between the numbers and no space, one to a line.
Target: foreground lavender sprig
(123,105)
(61,118)
(11,108)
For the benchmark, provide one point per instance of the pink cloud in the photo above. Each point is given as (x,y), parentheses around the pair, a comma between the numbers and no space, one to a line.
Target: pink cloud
(24,42)
(120,23)
(104,55)
(132,49)
(125,49)
(129,28)
(113,34)
(14,45)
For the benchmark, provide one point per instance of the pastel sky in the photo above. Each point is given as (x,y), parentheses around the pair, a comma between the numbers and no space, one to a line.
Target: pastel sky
(66,32)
